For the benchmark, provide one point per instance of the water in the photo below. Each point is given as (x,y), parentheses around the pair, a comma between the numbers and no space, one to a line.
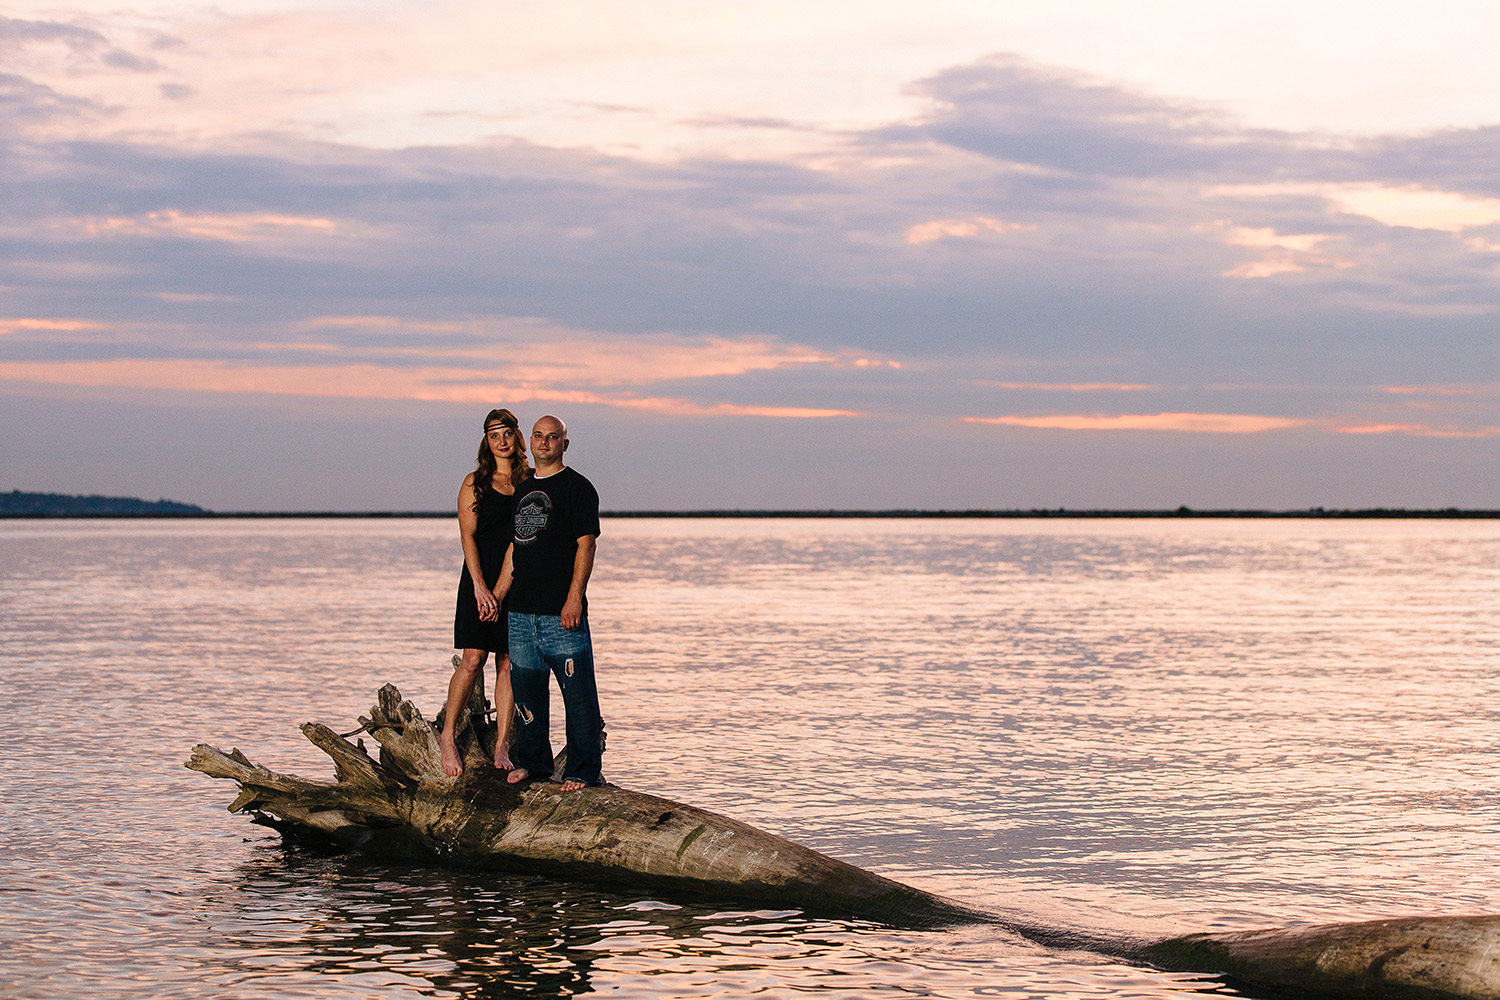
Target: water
(1135,727)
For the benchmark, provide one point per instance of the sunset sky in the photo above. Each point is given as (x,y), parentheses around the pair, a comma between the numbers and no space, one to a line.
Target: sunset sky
(282,255)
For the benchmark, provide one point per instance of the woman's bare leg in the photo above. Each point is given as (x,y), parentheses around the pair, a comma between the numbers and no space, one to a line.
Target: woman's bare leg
(505,710)
(459,689)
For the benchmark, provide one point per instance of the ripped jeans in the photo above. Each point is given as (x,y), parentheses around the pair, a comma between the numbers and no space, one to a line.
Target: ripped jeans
(539,647)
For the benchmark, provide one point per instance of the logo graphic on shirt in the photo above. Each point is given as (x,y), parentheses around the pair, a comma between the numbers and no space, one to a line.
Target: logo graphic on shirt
(531,516)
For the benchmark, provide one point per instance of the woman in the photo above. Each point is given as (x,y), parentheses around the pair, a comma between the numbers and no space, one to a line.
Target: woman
(486,512)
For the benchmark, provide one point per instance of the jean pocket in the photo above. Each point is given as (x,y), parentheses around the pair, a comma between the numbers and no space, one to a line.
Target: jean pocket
(563,641)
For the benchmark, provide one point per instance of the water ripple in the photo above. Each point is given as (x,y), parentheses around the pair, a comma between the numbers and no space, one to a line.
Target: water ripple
(1131,728)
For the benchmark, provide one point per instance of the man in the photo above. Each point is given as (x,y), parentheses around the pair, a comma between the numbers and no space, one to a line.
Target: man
(549,564)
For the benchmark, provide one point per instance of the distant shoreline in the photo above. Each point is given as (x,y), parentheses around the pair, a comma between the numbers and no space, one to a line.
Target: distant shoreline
(1374,513)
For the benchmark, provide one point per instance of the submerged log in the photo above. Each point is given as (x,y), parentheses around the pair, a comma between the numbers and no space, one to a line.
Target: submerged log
(402,806)
(1420,957)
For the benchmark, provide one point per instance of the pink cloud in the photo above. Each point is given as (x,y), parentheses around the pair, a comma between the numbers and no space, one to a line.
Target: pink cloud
(365,322)
(617,360)
(238,227)
(688,408)
(1192,423)
(509,359)
(1492,389)
(1279,253)
(535,352)
(1072,386)
(365,381)
(1421,430)
(939,229)
(56,325)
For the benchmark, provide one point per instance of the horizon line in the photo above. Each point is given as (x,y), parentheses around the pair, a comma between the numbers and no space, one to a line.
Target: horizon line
(1311,513)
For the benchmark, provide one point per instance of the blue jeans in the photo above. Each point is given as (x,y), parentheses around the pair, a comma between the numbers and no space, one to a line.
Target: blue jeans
(540,646)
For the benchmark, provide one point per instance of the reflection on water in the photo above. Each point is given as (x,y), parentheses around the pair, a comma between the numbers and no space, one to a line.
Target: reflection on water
(304,921)
(1125,726)
(299,923)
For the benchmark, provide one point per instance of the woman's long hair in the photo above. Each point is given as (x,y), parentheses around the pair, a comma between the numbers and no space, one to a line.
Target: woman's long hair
(485,471)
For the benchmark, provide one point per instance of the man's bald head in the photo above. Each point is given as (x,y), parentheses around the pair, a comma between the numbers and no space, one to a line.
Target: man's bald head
(549,439)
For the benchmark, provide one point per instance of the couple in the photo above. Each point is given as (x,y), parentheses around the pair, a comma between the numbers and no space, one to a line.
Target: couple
(528,539)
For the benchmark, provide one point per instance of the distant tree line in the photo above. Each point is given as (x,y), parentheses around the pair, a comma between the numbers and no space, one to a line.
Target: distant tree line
(1078,513)
(18,504)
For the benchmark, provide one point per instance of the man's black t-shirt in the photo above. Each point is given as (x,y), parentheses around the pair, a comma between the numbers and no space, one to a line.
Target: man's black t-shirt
(551,515)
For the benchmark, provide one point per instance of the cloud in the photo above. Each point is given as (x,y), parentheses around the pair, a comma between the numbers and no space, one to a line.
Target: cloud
(39,324)
(536,351)
(236,227)
(1455,159)
(14,31)
(120,59)
(34,44)
(25,102)
(689,408)
(1404,206)
(1421,430)
(364,381)
(808,284)
(1447,211)
(1023,230)
(1491,389)
(457,361)
(1073,386)
(1192,423)
(181,297)
(938,229)
(1279,253)
(1012,110)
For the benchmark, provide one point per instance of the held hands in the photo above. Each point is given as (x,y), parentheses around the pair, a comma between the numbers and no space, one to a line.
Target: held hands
(489,606)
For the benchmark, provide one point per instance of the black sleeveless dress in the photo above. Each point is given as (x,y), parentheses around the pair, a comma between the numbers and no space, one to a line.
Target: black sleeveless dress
(493,536)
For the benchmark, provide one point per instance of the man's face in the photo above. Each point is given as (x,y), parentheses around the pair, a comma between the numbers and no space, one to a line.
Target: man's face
(548,441)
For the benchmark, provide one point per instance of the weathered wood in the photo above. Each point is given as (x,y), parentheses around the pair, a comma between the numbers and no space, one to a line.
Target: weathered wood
(217,764)
(1416,957)
(404,807)
(352,765)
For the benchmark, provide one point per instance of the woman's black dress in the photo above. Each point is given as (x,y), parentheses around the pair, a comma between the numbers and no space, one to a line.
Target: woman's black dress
(492,535)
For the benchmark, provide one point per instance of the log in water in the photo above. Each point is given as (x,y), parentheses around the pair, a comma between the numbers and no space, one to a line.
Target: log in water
(405,807)
(1407,957)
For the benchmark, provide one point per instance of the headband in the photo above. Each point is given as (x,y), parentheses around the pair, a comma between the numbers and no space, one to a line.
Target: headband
(495,423)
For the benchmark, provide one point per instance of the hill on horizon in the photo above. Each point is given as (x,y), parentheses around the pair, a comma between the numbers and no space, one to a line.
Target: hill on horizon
(19,504)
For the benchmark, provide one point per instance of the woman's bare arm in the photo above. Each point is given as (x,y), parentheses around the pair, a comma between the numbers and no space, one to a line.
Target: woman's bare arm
(468,523)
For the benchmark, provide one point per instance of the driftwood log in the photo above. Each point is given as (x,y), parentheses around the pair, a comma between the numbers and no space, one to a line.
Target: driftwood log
(403,807)
(1419,957)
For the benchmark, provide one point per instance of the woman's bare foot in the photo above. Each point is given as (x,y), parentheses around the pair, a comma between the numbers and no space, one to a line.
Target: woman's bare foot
(517,776)
(502,758)
(572,785)
(453,764)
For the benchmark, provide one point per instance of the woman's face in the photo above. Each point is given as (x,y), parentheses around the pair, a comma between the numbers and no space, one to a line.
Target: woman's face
(502,441)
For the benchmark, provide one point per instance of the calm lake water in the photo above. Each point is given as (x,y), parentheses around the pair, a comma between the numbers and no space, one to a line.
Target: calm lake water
(1128,727)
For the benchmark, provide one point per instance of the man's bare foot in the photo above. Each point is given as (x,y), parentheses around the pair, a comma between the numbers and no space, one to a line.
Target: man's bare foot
(573,785)
(453,764)
(502,759)
(517,776)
